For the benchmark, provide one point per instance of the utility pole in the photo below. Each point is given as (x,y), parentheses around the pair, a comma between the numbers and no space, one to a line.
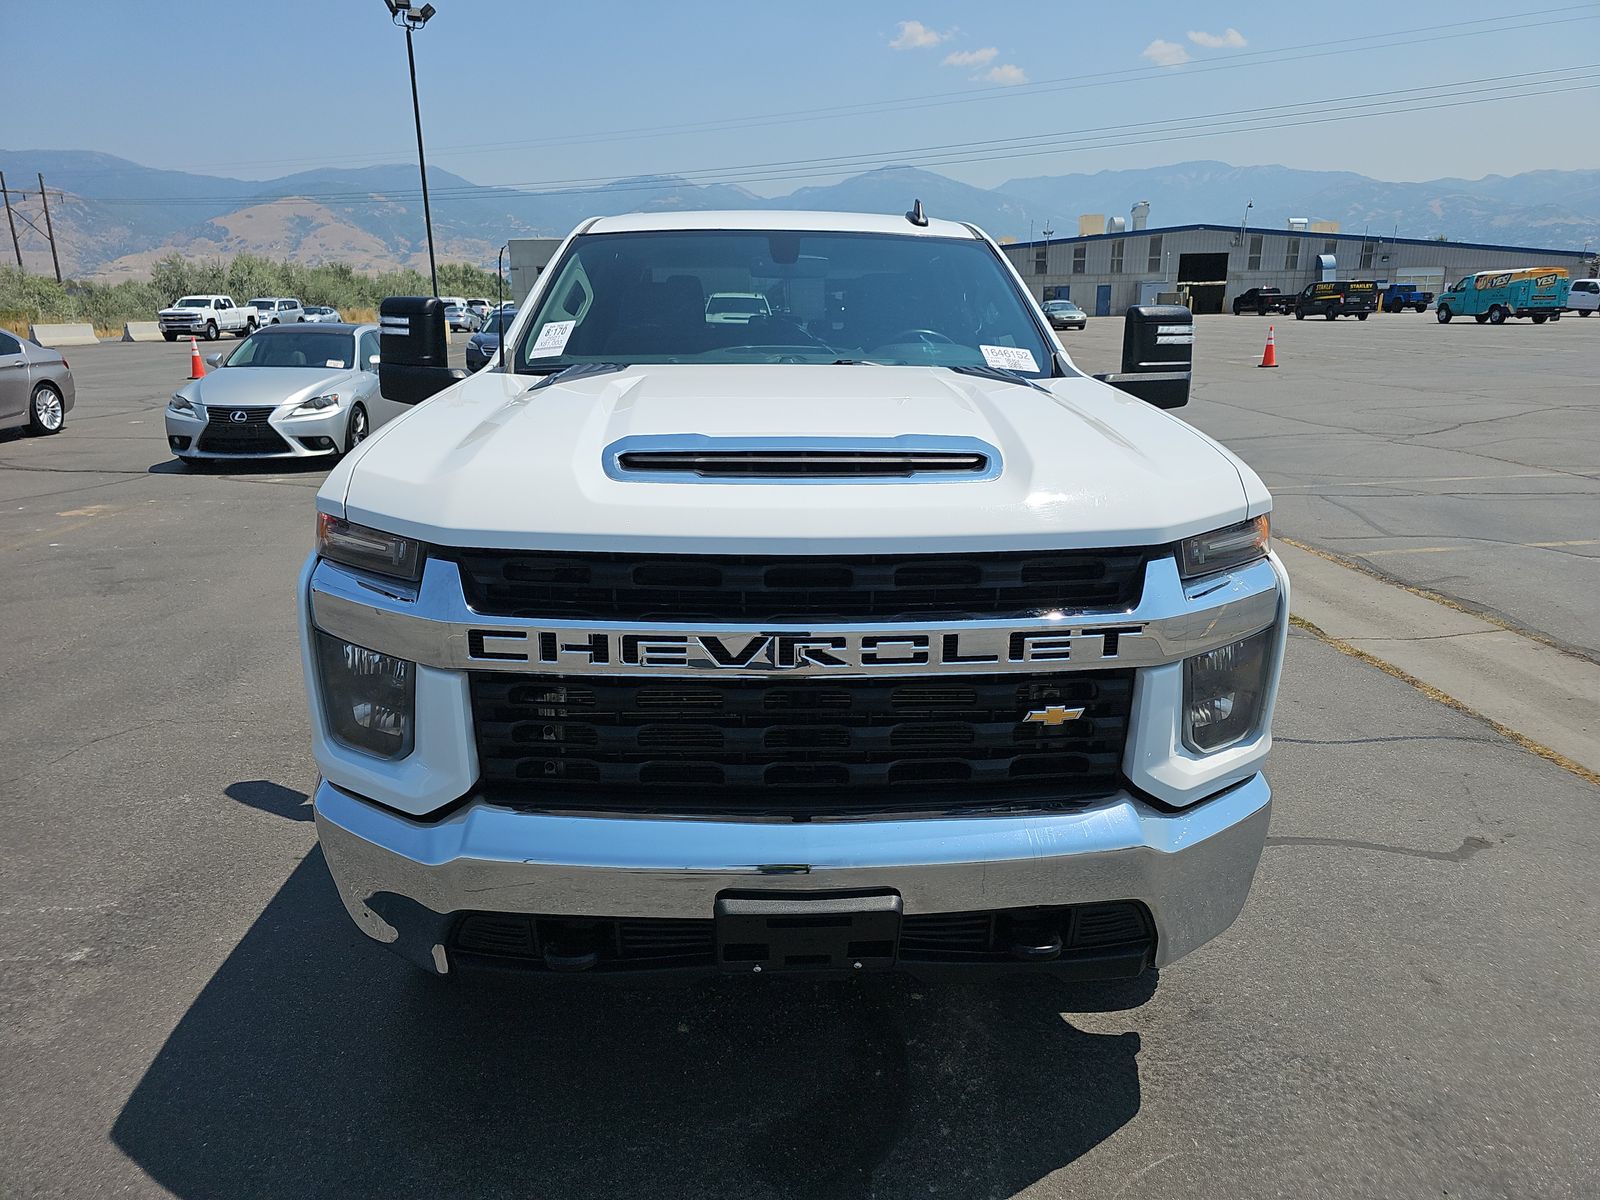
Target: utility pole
(411,19)
(11,221)
(49,229)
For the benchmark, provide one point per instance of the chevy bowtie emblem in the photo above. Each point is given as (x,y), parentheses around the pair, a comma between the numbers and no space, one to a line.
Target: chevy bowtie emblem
(1055,714)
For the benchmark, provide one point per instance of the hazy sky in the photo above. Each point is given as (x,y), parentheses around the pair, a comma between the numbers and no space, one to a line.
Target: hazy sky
(531,92)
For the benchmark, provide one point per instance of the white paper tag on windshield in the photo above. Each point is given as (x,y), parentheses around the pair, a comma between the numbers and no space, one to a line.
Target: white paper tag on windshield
(333,362)
(1009,358)
(552,339)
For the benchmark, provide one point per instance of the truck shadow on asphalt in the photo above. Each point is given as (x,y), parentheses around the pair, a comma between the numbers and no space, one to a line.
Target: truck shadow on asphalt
(315,1063)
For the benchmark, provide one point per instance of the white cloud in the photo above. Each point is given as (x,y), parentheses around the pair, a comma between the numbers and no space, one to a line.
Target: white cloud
(914,35)
(1166,54)
(972,58)
(1008,74)
(1229,38)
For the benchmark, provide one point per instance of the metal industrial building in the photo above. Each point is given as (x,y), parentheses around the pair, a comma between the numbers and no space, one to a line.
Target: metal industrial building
(528,259)
(1106,273)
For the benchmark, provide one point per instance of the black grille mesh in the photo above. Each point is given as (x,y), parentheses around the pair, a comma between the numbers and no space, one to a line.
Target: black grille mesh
(686,587)
(646,943)
(223,435)
(810,744)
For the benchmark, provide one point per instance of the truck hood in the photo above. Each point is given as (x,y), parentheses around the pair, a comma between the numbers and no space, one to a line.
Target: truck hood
(498,462)
(181,312)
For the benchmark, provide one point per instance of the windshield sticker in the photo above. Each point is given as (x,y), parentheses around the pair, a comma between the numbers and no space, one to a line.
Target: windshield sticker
(333,362)
(552,339)
(1009,358)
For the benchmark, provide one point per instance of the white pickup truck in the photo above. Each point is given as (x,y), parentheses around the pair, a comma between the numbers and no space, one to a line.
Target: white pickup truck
(869,633)
(208,317)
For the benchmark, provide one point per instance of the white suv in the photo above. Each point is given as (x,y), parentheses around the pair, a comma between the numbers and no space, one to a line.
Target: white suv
(278,310)
(1585,297)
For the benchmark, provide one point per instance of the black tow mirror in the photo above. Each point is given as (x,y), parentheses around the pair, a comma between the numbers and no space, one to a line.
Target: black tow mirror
(1157,354)
(413,349)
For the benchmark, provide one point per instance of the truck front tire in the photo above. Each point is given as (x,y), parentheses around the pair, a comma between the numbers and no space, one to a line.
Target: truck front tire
(171,337)
(211,331)
(1443,313)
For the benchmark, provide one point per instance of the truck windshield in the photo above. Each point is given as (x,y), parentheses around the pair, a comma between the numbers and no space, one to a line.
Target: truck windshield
(194,302)
(896,300)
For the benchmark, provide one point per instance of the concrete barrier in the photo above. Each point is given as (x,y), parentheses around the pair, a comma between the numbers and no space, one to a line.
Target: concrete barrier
(141,331)
(62,335)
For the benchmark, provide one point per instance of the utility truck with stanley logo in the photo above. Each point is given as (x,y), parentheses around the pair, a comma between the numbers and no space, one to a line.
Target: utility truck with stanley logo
(867,633)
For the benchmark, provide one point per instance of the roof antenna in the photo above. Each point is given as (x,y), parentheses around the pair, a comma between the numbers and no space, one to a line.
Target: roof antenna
(916,216)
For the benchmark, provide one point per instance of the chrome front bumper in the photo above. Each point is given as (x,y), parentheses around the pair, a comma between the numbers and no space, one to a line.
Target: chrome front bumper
(403,880)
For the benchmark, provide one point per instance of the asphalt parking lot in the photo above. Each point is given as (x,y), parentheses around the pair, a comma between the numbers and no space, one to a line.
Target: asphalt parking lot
(1461,458)
(1405,1007)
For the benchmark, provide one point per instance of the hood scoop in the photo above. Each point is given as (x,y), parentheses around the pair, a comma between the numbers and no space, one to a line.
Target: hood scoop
(692,457)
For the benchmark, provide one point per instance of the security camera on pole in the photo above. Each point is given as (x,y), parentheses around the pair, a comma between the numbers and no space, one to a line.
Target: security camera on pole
(411,19)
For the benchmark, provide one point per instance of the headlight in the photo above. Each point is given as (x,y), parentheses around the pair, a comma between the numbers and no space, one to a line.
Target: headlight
(316,404)
(1225,692)
(370,699)
(186,407)
(1223,549)
(354,545)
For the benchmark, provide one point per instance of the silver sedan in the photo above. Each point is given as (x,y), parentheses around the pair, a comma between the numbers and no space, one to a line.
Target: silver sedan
(287,391)
(36,386)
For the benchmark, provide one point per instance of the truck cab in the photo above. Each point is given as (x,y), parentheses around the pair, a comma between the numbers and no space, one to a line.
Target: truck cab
(1493,297)
(868,633)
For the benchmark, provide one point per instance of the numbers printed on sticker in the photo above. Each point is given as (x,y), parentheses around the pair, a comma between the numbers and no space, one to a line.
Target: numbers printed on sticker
(552,339)
(1009,358)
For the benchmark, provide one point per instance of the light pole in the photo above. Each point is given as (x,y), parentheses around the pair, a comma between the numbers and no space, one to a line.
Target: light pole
(411,19)
(1047,231)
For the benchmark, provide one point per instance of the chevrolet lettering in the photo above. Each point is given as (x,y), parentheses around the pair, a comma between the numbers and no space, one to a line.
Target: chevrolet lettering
(877,652)
(859,631)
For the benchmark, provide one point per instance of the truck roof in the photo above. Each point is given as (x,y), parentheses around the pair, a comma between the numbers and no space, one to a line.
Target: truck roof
(762,219)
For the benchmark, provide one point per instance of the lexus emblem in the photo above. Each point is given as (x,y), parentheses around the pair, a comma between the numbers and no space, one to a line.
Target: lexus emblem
(238,416)
(1055,714)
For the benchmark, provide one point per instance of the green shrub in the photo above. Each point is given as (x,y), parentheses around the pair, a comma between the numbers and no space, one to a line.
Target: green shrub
(30,298)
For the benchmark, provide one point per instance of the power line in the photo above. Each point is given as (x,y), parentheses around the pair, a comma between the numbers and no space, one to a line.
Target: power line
(1361,105)
(1231,62)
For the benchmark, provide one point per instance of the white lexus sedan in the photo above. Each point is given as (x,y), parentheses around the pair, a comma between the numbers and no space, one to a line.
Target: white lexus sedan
(286,391)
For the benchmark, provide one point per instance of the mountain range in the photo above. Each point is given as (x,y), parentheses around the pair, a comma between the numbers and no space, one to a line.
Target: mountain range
(117,217)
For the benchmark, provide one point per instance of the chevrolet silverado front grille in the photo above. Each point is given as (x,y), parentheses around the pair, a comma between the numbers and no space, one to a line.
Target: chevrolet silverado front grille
(802,745)
(686,587)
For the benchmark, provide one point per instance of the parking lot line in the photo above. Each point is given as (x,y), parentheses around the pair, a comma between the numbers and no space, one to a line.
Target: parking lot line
(1475,546)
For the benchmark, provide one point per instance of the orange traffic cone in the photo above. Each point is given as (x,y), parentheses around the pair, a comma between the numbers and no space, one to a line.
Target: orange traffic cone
(197,369)
(1270,357)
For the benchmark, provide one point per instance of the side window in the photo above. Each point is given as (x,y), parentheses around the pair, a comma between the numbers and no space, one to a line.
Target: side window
(368,348)
(9,344)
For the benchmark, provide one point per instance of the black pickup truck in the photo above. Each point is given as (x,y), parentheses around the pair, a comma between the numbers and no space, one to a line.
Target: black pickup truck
(1261,300)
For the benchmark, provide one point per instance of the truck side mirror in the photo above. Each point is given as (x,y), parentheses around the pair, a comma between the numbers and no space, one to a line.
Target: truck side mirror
(413,349)
(1157,354)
